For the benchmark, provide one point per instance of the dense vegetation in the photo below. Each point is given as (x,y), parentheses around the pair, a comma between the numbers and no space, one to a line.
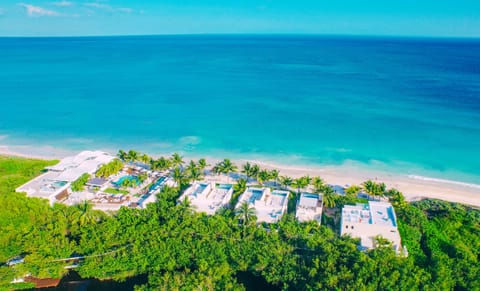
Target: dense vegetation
(79,184)
(181,250)
(109,169)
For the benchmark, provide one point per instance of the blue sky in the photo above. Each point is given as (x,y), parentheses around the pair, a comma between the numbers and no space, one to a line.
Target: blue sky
(457,18)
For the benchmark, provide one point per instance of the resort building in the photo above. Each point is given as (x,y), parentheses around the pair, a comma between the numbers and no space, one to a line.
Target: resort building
(54,184)
(309,207)
(367,221)
(208,197)
(269,206)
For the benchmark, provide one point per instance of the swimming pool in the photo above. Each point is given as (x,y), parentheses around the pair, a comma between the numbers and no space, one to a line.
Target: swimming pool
(224,186)
(157,184)
(59,184)
(120,181)
(310,195)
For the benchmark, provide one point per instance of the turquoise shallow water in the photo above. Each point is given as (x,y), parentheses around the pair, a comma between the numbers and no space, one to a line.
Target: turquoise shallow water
(405,105)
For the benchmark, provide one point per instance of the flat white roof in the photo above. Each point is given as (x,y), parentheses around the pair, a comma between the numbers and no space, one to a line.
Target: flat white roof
(59,176)
(366,221)
(208,197)
(252,194)
(309,207)
(375,212)
(359,213)
(383,214)
(269,206)
(71,168)
(44,186)
(310,200)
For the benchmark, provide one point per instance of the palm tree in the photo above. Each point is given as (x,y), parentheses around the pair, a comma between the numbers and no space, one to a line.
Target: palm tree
(132,156)
(263,176)
(202,164)
(374,189)
(381,242)
(353,191)
(318,184)
(255,170)
(145,159)
(329,197)
(274,175)
(247,170)
(86,214)
(218,168)
(185,205)
(240,186)
(301,183)
(178,177)
(286,181)
(122,155)
(190,167)
(227,167)
(308,179)
(162,164)
(142,177)
(194,174)
(177,160)
(246,214)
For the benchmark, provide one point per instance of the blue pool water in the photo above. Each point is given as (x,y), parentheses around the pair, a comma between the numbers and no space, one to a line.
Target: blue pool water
(404,105)
(310,195)
(120,181)
(224,186)
(159,182)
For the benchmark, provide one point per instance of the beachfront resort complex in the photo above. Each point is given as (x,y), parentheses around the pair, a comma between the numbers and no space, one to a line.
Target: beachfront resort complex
(110,183)
(132,185)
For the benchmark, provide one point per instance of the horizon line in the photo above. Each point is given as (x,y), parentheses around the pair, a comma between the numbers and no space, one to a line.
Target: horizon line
(399,36)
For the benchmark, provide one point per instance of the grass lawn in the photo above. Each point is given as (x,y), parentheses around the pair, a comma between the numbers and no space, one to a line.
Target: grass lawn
(15,171)
(116,191)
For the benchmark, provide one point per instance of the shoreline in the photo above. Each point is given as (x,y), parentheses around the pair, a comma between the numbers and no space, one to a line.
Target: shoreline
(413,187)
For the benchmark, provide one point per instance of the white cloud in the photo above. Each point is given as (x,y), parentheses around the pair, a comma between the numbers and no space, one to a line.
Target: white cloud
(98,5)
(37,11)
(109,8)
(63,3)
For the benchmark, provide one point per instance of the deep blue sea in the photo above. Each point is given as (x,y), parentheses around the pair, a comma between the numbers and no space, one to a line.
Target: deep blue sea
(405,105)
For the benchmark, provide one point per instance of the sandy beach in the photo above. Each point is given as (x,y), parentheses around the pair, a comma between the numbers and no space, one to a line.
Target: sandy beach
(413,187)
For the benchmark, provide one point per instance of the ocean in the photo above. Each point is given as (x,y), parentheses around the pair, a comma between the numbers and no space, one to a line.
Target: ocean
(402,105)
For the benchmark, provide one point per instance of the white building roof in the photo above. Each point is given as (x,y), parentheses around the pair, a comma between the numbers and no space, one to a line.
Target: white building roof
(71,168)
(366,221)
(269,206)
(208,197)
(60,176)
(309,207)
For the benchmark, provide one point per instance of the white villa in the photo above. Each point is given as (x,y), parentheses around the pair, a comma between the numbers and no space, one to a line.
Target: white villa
(208,197)
(309,207)
(54,184)
(366,221)
(269,206)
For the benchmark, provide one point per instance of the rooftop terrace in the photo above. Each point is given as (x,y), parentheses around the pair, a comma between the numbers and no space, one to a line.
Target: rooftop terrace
(309,207)
(366,221)
(208,197)
(269,206)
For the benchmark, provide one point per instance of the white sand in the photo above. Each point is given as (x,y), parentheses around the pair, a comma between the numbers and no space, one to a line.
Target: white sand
(343,175)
